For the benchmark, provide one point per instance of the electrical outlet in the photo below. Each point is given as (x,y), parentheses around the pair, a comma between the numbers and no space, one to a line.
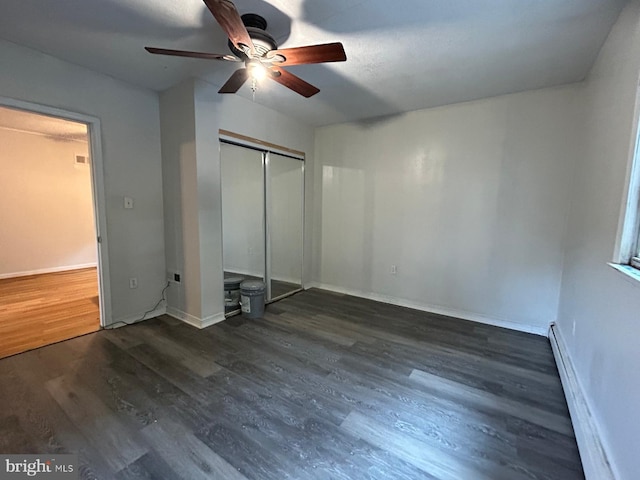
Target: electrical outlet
(128,202)
(133,282)
(393,270)
(176,277)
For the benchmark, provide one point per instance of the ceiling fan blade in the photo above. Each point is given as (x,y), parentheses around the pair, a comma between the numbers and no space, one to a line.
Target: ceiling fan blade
(186,53)
(236,80)
(293,82)
(328,52)
(227,16)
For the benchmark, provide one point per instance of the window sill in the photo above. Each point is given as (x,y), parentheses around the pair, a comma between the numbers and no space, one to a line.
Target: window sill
(630,274)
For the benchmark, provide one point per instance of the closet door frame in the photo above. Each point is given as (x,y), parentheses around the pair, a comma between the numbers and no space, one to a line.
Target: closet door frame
(266,149)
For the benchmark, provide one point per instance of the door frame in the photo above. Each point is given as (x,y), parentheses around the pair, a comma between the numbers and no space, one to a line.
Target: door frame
(265,148)
(98,191)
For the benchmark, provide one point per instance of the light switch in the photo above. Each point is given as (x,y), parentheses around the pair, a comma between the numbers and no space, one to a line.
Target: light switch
(128,202)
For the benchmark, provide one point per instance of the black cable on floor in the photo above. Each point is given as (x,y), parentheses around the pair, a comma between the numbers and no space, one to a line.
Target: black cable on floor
(144,315)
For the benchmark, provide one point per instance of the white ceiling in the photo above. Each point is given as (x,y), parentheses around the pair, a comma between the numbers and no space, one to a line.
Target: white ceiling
(52,127)
(402,55)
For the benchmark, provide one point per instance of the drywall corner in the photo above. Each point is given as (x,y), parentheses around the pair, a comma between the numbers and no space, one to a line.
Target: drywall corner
(179,180)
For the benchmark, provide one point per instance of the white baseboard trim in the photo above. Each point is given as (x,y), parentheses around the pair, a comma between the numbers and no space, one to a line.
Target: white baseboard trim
(425,307)
(131,319)
(41,271)
(193,320)
(592,452)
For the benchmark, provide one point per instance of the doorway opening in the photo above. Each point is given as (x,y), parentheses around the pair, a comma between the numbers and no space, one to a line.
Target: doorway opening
(50,255)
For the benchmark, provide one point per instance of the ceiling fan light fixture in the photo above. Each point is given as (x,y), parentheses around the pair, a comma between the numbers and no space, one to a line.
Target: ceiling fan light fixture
(252,45)
(257,71)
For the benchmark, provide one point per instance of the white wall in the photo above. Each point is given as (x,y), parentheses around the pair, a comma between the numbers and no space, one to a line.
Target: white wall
(469,201)
(130,123)
(46,205)
(179,174)
(198,200)
(604,304)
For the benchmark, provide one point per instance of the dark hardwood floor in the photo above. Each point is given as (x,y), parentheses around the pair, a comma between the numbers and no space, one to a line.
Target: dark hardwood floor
(326,386)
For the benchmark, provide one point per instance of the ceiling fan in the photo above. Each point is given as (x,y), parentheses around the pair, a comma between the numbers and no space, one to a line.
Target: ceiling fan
(250,43)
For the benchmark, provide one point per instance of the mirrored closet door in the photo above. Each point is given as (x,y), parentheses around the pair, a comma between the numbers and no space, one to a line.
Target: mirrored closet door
(262,218)
(285,207)
(243,233)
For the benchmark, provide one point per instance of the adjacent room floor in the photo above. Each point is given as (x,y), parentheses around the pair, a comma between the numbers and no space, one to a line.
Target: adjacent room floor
(42,309)
(325,386)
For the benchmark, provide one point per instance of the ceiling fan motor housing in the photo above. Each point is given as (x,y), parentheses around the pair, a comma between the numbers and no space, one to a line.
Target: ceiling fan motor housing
(262,40)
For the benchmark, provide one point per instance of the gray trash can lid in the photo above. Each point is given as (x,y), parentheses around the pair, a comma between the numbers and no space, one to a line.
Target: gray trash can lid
(252,285)
(233,281)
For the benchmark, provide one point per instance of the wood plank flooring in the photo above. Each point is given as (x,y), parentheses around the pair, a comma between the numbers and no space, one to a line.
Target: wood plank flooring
(326,386)
(42,309)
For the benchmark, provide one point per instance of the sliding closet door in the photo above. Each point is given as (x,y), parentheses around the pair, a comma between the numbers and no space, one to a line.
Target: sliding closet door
(285,206)
(243,234)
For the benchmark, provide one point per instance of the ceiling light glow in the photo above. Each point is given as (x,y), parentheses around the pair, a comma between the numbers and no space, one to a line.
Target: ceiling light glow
(257,71)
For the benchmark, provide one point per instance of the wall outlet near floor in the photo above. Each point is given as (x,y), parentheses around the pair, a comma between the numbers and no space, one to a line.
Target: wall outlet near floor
(176,277)
(133,282)
(393,270)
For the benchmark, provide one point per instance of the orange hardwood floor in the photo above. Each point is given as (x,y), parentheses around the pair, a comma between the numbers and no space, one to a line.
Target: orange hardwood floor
(43,309)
